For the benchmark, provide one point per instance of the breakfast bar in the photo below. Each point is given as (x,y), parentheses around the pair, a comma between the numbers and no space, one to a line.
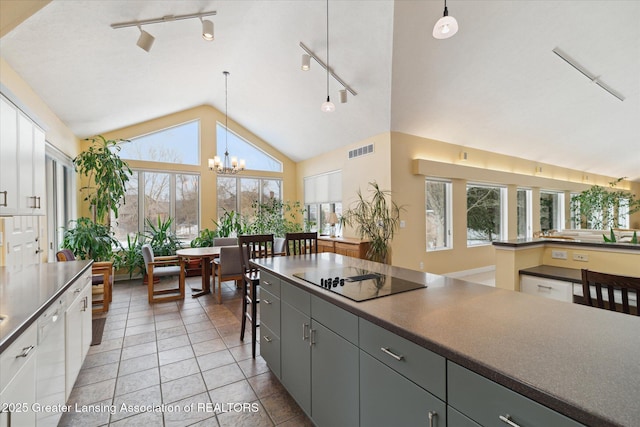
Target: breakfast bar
(456,343)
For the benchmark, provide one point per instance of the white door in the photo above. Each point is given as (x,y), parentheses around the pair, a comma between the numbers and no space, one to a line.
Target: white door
(22,241)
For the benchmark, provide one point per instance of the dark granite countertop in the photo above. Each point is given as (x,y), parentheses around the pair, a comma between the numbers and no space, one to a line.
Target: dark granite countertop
(516,243)
(26,293)
(577,360)
(573,275)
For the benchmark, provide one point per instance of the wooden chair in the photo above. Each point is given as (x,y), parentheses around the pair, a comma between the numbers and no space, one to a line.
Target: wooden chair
(622,284)
(228,266)
(301,243)
(101,281)
(163,266)
(253,247)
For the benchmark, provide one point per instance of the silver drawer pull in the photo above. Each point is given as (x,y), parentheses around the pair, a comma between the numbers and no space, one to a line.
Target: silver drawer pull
(77,291)
(266,282)
(26,351)
(266,301)
(305,328)
(4,203)
(507,420)
(392,354)
(545,287)
(431,415)
(266,338)
(312,337)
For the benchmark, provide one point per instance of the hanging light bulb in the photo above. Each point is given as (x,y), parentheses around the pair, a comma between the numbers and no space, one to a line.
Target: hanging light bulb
(446,26)
(328,106)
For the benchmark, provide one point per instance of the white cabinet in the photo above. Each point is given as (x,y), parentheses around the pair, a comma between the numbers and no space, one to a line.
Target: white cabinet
(78,332)
(547,288)
(18,380)
(22,176)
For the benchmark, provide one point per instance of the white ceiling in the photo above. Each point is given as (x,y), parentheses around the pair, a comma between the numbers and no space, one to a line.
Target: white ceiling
(496,85)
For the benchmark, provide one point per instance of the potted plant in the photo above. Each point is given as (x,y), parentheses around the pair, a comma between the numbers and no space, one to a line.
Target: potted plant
(600,208)
(90,240)
(277,217)
(159,235)
(130,258)
(375,219)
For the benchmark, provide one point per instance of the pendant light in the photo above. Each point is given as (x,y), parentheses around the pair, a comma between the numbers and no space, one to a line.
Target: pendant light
(226,166)
(446,26)
(328,106)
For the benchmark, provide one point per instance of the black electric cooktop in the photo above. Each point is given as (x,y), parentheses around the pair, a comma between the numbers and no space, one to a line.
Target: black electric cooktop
(358,284)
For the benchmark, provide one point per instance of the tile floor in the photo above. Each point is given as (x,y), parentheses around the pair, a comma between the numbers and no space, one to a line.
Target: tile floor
(185,355)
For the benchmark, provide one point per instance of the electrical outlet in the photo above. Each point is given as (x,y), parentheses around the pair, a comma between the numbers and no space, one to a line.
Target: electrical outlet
(559,254)
(421,265)
(402,224)
(581,257)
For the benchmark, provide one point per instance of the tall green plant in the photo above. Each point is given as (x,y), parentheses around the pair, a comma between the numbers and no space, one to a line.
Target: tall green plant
(159,235)
(277,217)
(600,208)
(107,176)
(89,240)
(375,219)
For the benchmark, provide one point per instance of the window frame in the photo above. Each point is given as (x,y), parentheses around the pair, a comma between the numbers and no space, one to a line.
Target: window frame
(448,208)
(528,213)
(559,216)
(503,200)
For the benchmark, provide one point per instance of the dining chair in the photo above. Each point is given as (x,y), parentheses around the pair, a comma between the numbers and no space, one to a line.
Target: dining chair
(611,284)
(228,266)
(163,266)
(225,241)
(253,247)
(101,281)
(301,243)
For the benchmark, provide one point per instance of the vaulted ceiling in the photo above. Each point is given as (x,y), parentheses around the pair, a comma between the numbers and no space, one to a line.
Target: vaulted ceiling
(496,85)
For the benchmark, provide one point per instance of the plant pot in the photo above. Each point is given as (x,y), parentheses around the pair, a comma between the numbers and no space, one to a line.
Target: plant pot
(193,267)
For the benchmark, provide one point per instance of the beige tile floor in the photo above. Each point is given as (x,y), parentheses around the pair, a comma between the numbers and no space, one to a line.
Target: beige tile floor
(185,355)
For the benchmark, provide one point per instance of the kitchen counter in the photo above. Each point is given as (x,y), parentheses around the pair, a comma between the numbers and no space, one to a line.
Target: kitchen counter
(572,275)
(577,360)
(519,243)
(26,293)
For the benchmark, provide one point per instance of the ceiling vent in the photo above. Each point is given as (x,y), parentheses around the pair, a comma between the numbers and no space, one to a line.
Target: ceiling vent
(360,151)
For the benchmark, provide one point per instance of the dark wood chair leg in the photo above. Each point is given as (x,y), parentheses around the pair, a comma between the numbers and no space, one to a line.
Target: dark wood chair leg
(245,286)
(254,316)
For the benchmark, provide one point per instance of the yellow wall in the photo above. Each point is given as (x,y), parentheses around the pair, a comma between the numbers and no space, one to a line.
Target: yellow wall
(356,173)
(14,12)
(208,117)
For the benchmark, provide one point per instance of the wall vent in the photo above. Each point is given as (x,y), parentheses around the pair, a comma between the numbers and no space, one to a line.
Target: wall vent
(360,151)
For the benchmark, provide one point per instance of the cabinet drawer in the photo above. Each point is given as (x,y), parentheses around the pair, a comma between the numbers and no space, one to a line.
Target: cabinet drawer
(484,401)
(270,282)
(11,360)
(296,297)
(389,399)
(270,349)
(76,288)
(338,320)
(270,311)
(547,288)
(456,419)
(418,364)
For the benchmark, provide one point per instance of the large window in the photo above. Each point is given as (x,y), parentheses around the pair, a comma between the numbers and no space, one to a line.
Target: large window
(242,149)
(323,196)
(60,197)
(165,195)
(486,219)
(239,193)
(551,211)
(438,214)
(177,144)
(524,212)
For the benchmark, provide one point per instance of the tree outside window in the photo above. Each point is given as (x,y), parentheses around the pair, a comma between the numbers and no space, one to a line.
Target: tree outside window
(484,214)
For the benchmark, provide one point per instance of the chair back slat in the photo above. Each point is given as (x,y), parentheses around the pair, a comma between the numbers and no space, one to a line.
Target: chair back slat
(301,243)
(627,287)
(256,246)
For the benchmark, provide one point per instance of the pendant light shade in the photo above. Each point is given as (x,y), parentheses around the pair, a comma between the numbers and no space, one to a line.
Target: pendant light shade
(446,26)
(328,106)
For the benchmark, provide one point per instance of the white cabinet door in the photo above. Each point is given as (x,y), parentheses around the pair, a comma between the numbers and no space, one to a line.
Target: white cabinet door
(39,173)
(27,200)
(547,288)
(8,158)
(78,333)
(20,395)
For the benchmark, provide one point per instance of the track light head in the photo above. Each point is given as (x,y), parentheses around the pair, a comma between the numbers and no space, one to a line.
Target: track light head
(145,41)
(207,29)
(306,62)
(343,96)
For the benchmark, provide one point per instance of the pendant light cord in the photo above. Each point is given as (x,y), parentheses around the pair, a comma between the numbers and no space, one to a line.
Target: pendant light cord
(226,115)
(327,50)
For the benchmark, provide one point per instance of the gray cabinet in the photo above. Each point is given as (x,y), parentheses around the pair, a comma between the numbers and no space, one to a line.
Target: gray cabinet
(270,321)
(490,404)
(389,399)
(295,354)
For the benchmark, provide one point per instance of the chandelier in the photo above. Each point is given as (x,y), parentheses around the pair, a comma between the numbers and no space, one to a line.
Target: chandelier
(228,165)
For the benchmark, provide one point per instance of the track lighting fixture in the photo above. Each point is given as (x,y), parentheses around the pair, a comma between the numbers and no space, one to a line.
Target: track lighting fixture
(306,62)
(207,29)
(145,40)
(446,26)
(343,96)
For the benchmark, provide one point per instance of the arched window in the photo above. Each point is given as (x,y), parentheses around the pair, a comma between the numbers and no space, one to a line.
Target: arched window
(178,144)
(242,149)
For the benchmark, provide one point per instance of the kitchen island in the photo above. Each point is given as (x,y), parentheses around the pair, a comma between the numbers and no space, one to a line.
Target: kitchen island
(578,361)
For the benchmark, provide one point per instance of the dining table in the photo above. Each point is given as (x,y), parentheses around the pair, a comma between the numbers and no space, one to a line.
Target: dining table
(207,254)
